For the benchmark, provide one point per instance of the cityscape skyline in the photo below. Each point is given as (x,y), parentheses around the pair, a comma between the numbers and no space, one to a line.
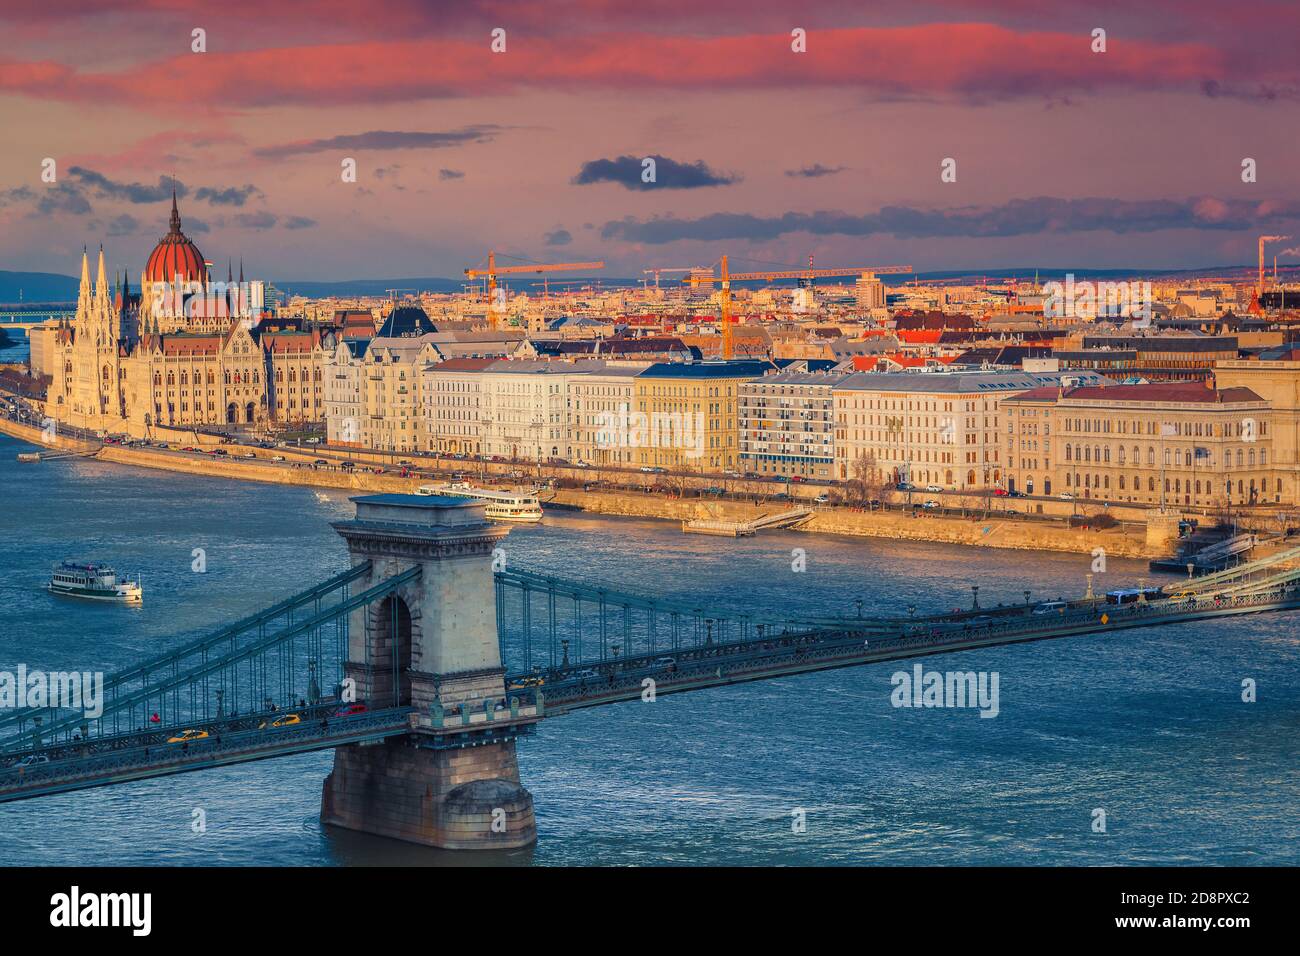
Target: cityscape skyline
(1065,157)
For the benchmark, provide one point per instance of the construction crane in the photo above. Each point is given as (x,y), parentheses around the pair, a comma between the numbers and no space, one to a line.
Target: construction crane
(493,270)
(698,276)
(657,272)
(1259,289)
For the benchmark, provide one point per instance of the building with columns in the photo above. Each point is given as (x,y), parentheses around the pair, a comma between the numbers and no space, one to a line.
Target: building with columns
(1161,444)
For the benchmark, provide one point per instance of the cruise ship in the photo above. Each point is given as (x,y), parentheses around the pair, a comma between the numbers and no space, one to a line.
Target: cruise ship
(517,506)
(95,582)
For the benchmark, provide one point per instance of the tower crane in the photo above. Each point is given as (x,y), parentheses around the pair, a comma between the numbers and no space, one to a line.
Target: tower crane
(698,276)
(657,272)
(493,270)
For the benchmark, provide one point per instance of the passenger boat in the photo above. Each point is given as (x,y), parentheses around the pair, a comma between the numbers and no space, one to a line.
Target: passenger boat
(517,506)
(95,582)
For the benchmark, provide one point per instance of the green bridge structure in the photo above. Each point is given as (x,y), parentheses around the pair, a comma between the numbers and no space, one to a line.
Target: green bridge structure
(425,662)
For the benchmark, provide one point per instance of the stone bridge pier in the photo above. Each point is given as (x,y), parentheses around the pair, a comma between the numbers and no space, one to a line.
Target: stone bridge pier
(431,645)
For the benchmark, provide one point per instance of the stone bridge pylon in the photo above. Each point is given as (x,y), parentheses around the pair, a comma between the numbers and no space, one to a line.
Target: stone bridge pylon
(431,645)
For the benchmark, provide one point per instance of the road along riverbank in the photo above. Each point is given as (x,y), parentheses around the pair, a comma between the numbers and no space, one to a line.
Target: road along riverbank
(977,530)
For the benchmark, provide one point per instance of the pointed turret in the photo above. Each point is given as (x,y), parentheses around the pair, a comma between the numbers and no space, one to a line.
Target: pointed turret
(101,280)
(241,270)
(83,296)
(176,215)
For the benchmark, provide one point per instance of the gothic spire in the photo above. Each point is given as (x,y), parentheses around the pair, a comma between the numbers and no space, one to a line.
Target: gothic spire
(83,297)
(176,216)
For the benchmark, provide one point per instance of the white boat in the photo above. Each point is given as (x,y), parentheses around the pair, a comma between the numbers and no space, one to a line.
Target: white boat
(94,582)
(517,506)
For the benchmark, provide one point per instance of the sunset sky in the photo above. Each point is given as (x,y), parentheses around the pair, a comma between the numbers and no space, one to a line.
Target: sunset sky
(1065,158)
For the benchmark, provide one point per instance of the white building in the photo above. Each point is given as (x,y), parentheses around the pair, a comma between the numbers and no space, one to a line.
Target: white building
(606,394)
(451,405)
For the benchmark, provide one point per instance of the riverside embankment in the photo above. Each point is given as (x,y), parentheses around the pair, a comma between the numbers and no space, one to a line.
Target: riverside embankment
(978,530)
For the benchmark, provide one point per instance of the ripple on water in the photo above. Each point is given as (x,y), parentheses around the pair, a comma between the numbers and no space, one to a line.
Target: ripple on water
(1147,725)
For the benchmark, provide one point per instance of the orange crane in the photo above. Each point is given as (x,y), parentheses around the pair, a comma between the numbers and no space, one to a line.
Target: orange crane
(493,270)
(726,278)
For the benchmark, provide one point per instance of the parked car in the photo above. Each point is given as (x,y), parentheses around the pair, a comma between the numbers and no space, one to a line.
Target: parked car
(1065,496)
(999,493)
(933,488)
(822,499)
(277,457)
(931,504)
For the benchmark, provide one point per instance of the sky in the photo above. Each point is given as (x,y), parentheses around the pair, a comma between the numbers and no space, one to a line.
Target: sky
(1064,157)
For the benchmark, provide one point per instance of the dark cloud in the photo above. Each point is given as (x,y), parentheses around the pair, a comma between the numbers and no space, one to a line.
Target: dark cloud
(16,195)
(256,220)
(385,139)
(123,225)
(127,192)
(298,222)
(450,174)
(65,197)
(815,171)
(669,173)
(560,237)
(234,196)
(1019,217)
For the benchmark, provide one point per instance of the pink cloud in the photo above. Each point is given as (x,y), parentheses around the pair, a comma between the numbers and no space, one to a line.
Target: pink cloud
(934,60)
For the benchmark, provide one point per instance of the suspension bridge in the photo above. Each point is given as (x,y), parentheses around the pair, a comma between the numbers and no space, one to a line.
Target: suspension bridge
(424,663)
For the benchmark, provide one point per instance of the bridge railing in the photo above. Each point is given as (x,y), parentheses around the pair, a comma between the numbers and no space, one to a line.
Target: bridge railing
(213,748)
(546,622)
(197,651)
(273,661)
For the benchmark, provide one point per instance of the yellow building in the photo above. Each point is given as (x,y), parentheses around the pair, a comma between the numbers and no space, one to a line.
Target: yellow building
(1160,444)
(1275,377)
(686,416)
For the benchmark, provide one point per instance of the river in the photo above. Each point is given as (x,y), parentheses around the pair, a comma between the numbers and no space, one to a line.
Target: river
(1148,726)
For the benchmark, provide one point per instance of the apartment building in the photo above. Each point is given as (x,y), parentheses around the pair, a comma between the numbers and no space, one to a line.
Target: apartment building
(1160,443)
(392,369)
(451,405)
(524,409)
(344,391)
(599,403)
(787,424)
(689,414)
(939,428)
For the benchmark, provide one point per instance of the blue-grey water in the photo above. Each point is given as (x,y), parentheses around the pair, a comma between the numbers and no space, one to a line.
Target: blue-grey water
(1148,725)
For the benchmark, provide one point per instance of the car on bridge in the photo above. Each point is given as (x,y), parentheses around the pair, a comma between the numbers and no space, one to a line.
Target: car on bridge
(188,736)
(288,720)
(665,663)
(530,681)
(348,710)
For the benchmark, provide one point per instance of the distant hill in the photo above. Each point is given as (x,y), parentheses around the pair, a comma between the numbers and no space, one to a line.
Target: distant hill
(37,287)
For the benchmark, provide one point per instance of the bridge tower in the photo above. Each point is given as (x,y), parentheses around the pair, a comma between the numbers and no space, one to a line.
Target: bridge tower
(432,646)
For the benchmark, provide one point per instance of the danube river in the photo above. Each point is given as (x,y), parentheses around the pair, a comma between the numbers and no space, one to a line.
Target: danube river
(1148,726)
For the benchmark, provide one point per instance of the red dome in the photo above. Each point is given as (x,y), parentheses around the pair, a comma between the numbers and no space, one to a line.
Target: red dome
(175,255)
